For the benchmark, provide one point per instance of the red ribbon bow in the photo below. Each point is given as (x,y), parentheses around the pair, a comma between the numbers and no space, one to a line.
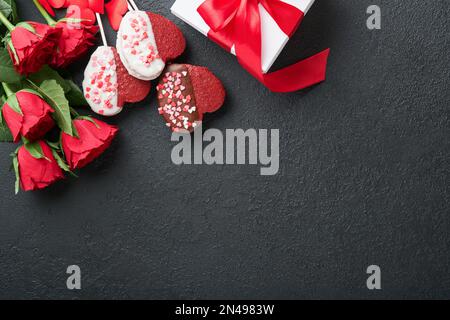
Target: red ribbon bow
(238,22)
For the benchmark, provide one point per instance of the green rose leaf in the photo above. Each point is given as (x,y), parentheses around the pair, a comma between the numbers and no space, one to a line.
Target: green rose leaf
(47,73)
(75,95)
(7,72)
(9,10)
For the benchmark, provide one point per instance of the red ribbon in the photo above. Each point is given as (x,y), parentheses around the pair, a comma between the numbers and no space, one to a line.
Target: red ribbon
(238,22)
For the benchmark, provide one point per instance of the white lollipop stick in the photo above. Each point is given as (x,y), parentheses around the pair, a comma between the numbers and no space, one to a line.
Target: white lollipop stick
(130,8)
(133,4)
(102,31)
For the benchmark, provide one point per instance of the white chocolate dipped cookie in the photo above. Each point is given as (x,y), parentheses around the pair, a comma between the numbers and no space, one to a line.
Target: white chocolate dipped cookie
(137,46)
(100,83)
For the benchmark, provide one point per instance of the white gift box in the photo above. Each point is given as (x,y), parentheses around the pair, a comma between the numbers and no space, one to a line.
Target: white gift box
(273,38)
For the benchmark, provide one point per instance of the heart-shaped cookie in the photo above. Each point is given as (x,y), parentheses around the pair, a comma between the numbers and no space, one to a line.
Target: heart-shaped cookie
(186,93)
(107,85)
(146,41)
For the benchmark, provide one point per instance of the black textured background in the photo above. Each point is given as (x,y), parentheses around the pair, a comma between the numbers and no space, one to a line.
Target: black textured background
(363,180)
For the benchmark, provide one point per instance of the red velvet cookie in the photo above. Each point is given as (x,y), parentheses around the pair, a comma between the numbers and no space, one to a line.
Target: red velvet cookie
(146,41)
(130,89)
(185,93)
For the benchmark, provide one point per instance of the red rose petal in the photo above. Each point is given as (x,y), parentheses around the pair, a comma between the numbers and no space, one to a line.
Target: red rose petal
(80,3)
(116,9)
(97,6)
(57,3)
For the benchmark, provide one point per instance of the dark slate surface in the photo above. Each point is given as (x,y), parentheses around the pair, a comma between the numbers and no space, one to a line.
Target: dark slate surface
(363,180)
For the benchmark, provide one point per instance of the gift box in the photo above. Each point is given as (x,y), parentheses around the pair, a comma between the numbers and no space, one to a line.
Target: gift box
(256,31)
(273,38)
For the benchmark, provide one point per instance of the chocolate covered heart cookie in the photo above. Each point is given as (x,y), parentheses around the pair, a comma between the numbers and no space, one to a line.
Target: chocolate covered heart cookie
(186,93)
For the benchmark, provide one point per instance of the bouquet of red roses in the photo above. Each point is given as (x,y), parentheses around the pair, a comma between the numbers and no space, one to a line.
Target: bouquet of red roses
(37,103)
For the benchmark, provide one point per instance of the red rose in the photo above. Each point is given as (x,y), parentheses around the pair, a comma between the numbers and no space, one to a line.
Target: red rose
(34,119)
(31,45)
(74,42)
(94,137)
(38,173)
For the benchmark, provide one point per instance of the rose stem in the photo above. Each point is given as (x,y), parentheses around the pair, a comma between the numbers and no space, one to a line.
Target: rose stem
(44,13)
(6,22)
(102,31)
(7,89)
(133,4)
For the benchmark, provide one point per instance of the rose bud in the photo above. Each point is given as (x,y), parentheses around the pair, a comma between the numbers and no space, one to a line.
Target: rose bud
(75,41)
(94,137)
(28,115)
(32,45)
(37,171)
